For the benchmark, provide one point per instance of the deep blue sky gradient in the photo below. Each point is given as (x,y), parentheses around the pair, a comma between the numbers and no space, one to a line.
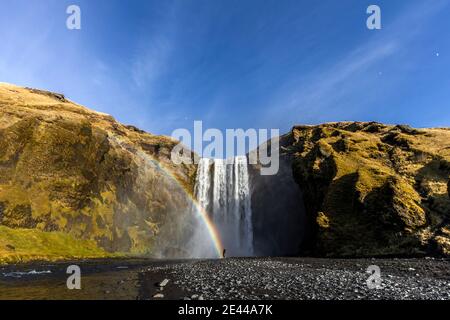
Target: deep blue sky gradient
(162,64)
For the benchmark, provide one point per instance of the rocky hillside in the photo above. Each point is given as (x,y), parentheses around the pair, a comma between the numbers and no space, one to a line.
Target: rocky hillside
(74,178)
(75,183)
(372,189)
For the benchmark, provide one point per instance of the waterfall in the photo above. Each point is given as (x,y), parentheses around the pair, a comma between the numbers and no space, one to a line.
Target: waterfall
(222,189)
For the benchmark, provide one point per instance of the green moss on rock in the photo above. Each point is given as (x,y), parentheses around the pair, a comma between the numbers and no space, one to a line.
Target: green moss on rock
(65,169)
(372,189)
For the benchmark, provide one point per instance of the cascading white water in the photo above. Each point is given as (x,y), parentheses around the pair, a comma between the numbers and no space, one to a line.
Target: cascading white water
(202,183)
(222,189)
(242,205)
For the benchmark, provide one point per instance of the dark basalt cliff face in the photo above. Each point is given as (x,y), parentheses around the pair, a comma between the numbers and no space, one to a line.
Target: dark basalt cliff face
(84,180)
(372,189)
(278,212)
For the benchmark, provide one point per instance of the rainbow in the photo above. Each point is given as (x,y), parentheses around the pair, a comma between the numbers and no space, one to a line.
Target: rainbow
(212,231)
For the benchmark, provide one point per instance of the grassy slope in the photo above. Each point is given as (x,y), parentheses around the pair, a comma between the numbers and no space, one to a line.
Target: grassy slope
(24,245)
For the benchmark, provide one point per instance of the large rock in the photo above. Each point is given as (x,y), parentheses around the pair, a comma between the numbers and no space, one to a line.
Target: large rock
(66,168)
(371,189)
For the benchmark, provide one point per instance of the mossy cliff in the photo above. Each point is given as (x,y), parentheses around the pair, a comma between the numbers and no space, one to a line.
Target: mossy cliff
(372,189)
(75,183)
(79,174)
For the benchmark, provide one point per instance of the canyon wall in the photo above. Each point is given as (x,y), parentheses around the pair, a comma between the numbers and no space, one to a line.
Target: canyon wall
(75,183)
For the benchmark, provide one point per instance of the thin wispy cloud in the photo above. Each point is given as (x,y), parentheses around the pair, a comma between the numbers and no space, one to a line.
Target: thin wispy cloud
(151,62)
(320,89)
(252,64)
(156,42)
(314,96)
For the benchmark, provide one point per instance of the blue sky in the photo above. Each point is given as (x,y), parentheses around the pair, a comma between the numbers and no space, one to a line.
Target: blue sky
(162,64)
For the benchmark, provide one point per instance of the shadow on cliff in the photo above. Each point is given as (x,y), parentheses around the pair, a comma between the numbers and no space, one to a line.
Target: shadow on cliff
(278,211)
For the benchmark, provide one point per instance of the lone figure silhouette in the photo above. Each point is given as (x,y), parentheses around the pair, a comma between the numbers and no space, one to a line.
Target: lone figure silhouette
(224,252)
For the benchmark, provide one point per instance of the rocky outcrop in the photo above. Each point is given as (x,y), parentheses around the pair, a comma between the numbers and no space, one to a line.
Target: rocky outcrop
(67,169)
(372,189)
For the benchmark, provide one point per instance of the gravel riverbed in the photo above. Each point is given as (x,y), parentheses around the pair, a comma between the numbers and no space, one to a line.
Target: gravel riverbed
(234,278)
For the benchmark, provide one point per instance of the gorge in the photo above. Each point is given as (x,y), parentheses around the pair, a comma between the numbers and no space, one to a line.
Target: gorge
(75,183)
